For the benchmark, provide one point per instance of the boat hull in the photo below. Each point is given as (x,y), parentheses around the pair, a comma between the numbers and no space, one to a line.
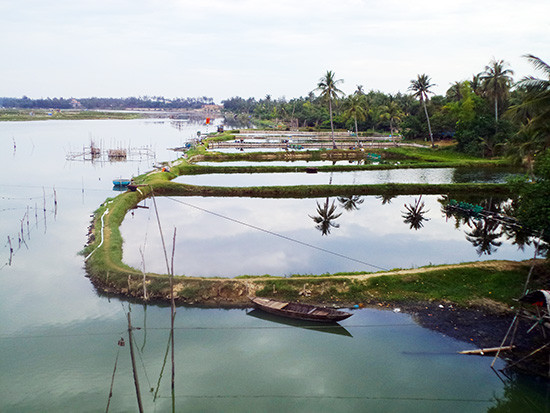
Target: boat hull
(299,311)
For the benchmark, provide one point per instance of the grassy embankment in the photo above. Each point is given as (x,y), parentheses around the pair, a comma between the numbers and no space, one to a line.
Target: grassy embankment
(65,114)
(463,285)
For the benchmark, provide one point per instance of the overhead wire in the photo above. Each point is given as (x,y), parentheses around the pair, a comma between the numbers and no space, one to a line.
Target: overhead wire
(306,244)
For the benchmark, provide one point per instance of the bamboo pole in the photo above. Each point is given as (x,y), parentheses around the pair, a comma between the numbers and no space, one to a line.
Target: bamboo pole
(483,351)
(136,381)
(173,315)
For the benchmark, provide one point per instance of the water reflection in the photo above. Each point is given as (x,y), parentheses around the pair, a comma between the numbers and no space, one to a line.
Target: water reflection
(333,328)
(489,223)
(415,214)
(326,215)
(218,244)
(350,203)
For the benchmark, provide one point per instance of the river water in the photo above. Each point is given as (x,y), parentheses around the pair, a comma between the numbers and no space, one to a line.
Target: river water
(58,336)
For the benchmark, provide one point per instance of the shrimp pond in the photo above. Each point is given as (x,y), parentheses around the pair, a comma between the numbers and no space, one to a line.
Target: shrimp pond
(59,336)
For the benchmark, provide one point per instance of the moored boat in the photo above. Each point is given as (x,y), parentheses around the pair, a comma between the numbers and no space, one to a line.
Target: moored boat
(299,310)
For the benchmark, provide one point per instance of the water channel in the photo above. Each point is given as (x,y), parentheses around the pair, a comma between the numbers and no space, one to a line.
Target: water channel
(58,336)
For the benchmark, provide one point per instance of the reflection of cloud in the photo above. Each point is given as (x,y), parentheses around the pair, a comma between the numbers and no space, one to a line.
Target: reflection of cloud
(212,246)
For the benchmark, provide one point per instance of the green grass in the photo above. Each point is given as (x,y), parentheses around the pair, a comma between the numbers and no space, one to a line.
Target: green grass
(40,114)
(462,285)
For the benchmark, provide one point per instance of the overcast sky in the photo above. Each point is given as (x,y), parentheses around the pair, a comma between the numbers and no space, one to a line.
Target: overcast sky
(250,48)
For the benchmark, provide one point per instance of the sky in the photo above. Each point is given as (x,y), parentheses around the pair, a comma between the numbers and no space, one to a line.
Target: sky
(252,48)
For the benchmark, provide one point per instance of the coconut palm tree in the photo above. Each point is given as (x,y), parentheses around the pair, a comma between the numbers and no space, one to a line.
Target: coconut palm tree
(329,91)
(356,107)
(497,81)
(392,112)
(476,84)
(535,107)
(421,88)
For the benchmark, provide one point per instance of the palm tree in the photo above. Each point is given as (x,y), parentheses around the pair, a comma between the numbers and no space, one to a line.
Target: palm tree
(329,91)
(536,104)
(497,81)
(454,93)
(392,111)
(356,107)
(476,84)
(325,217)
(421,88)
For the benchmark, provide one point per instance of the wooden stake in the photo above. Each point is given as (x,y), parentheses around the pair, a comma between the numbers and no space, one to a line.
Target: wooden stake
(136,381)
(173,315)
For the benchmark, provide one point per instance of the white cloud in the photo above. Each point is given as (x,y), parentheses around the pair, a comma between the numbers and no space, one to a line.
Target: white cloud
(248,48)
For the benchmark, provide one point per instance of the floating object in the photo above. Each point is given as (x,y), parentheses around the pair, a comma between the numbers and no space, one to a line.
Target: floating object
(299,311)
(121,182)
(483,351)
(311,170)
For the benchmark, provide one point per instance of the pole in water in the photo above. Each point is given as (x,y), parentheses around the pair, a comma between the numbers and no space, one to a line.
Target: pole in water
(136,381)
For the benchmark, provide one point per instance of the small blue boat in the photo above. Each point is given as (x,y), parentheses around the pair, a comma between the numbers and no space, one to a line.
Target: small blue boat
(121,182)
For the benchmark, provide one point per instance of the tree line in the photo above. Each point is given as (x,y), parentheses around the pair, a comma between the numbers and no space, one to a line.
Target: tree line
(487,115)
(141,102)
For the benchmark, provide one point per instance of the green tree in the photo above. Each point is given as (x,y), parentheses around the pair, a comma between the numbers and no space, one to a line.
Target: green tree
(421,88)
(534,110)
(356,107)
(496,82)
(533,205)
(329,92)
(392,112)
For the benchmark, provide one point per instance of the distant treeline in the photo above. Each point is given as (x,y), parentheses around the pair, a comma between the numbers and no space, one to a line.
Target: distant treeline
(145,102)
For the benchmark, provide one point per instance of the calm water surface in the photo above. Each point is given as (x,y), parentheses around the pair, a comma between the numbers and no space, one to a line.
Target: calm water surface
(58,337)
(404,176)
(254,236)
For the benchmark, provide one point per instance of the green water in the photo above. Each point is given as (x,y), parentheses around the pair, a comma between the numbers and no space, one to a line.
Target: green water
(58,336)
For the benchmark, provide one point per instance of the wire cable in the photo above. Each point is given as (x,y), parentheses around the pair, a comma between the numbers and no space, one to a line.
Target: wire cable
(277,234)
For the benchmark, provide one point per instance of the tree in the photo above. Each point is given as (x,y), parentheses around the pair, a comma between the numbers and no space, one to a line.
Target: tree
(327,85)
(533,205)
(356,107)
(392,112)
(421,88)
(534,110)
(496,82)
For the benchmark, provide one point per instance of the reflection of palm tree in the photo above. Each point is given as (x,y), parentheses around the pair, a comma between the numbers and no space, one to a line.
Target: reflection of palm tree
(350,203)
(385,198)
(484,236)
(415,214)
(325,217)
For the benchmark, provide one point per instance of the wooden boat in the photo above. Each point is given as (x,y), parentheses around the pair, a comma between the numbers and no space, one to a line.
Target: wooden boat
(299,311)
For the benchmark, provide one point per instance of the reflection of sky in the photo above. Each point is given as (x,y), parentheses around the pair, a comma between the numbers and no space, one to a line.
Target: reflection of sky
(45,283)
(420,176)
(208,245)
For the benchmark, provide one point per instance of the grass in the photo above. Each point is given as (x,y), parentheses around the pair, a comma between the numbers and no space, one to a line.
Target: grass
(65,114)
(461,286)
